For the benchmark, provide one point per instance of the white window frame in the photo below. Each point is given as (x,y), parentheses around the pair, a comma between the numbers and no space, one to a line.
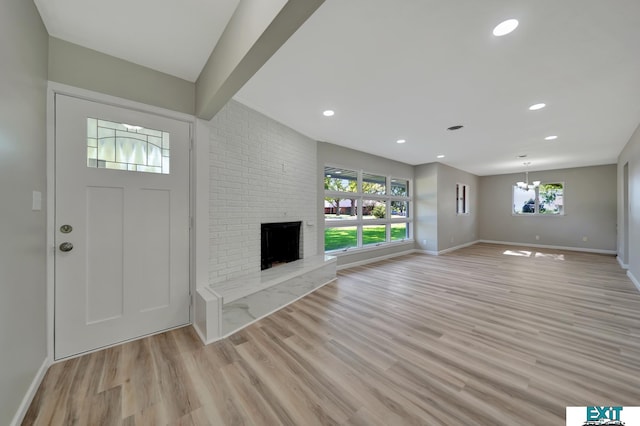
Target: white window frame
(359,222)
(536,212)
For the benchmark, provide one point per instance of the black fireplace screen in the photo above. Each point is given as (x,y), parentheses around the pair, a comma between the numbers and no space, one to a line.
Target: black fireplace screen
(280,243)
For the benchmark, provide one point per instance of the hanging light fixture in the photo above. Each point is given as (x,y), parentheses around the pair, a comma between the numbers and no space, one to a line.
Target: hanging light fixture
(526,185)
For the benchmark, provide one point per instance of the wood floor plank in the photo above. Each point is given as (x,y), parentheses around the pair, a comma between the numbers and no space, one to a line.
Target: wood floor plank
(488,334)
(174,384)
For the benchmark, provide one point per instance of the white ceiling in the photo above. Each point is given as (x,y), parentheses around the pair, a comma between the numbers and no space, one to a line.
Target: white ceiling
(175,37)
(408,69)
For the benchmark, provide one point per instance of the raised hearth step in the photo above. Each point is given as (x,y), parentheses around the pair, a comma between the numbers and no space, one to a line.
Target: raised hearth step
(235,289)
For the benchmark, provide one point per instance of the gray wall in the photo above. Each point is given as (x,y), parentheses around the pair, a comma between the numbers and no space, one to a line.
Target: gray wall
(630,237)
(438,225)
(590,207)
(88,69)
(334,155)
(23,75)
(454,229)
(426,206)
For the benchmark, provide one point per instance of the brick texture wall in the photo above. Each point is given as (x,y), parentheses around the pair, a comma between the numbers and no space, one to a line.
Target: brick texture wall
(261,171)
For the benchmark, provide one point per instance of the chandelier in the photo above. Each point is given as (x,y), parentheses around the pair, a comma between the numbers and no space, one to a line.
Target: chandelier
(526,185)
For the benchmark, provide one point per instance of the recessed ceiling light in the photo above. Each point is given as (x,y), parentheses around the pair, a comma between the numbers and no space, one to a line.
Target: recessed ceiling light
(505,27)
(456,127)
(400,141)
(329,113)
(328,175)
(338,172)
(550,138)
(536,107)
(440,156)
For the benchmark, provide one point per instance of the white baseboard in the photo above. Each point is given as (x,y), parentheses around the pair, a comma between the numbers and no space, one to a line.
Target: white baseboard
(31,392)
(375,259)
(448,250)
(633,279)
(581,249)
(622,265)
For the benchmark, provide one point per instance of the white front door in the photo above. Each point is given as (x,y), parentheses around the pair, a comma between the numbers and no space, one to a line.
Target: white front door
(122,224)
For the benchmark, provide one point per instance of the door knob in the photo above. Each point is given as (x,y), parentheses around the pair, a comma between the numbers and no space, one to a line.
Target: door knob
(66,246)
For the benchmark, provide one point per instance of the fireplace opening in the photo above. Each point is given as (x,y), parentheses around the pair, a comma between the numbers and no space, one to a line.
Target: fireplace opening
(280,243)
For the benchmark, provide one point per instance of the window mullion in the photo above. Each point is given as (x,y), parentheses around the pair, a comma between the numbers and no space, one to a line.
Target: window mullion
(388,220)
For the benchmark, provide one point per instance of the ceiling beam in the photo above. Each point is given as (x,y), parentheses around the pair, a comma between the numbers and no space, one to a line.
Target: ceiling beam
(254,33)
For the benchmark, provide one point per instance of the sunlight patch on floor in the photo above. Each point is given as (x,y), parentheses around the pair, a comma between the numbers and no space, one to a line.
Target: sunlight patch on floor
(550,256)
(521,253)
(538,255)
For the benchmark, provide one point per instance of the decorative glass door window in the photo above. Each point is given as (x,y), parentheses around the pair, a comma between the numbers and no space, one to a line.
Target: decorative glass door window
(122,146)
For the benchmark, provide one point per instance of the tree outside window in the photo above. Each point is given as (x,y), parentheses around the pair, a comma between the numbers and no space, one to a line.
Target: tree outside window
(546,199)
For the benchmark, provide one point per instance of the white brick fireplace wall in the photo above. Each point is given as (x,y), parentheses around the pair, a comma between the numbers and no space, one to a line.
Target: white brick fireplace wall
(260,171)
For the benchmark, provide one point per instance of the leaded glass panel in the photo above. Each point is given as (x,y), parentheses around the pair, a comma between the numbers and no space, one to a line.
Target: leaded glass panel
(120,146)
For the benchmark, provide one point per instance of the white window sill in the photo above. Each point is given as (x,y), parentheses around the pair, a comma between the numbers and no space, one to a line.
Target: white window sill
(371,247)
(537,215)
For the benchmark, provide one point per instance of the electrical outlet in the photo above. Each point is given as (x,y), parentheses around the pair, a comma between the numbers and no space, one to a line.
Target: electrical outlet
(585,238)
(36,204)
(537,237)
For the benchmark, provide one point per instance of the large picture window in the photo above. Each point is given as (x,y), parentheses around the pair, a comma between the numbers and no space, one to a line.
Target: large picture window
(544,199)
(364,209)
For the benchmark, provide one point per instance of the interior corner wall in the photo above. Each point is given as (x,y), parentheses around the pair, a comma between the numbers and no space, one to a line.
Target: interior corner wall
(590,210)
(426,207)
(335,155)
(23,289)
(455,229)
(630,155)
(88,69)
(260,171)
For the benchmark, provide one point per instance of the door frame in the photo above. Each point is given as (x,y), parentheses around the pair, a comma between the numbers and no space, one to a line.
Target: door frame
(54,88)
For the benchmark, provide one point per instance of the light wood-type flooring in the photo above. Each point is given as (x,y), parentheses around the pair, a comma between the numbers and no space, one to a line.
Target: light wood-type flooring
(486,335)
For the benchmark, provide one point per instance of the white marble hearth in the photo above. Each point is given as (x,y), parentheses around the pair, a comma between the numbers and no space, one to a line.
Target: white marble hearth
(242,311)
(241,301)
(237,289)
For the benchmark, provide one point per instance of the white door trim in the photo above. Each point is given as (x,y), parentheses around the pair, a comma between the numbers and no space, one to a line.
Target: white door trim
(54,88)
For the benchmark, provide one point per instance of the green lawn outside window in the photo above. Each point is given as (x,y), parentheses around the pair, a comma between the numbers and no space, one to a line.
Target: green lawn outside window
(340,238)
